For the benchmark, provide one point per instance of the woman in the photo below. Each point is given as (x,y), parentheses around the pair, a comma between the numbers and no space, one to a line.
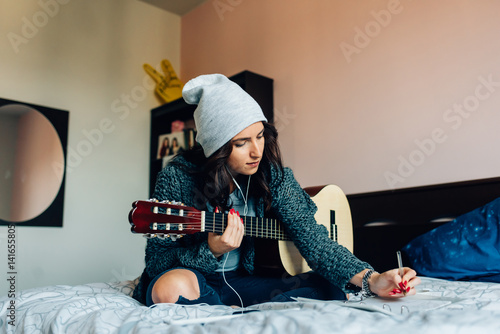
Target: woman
(175,146)
(237,168)
(165,148)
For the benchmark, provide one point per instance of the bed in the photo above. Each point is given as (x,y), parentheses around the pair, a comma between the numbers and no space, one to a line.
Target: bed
(440,306)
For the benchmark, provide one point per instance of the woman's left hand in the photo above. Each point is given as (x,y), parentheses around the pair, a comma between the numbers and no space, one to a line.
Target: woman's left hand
(391,284)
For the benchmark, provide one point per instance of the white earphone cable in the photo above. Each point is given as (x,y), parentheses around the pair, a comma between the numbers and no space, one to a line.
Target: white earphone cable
(245,211)
(224,277)
(245,198)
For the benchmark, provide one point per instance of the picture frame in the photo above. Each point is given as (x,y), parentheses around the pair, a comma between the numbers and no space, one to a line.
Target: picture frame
(169,144)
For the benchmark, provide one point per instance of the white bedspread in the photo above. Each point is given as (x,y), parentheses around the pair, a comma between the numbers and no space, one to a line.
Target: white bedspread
(108,308)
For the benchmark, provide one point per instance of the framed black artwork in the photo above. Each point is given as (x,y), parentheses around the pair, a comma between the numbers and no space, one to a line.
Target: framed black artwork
(33,146)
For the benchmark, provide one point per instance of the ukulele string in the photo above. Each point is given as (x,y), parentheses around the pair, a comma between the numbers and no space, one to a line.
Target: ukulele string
(255,229)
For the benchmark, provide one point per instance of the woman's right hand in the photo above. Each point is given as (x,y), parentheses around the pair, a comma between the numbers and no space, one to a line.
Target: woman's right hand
(230,239)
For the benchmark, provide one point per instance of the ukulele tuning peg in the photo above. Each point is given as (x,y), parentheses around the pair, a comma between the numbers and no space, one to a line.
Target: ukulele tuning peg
(160,235)
(148,235)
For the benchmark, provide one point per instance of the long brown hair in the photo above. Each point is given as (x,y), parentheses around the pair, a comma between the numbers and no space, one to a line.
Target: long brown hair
(217,179)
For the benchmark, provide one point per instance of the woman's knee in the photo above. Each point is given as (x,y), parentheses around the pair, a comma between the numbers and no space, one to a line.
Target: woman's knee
(175,283)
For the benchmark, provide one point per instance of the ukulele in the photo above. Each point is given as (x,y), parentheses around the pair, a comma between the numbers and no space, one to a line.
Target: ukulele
(173,220)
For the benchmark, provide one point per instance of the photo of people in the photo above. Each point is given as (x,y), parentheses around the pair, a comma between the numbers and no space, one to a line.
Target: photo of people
(163,147)
(169,145)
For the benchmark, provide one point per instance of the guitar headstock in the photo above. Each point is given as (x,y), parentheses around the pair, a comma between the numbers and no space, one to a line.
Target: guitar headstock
(164,218)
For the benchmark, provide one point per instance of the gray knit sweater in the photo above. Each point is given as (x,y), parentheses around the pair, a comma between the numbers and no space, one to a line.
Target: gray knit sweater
(291,205)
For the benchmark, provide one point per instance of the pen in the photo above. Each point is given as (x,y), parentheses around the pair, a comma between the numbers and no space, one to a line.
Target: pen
(400,264)
(401,271)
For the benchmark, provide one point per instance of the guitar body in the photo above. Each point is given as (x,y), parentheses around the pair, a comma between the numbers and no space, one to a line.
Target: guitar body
(273,249)
(334,213)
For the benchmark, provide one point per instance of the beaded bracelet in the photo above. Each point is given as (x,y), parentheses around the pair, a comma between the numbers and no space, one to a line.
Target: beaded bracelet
(365,287)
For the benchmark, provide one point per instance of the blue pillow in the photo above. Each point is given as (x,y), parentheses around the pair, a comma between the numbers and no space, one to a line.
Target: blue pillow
(467,248)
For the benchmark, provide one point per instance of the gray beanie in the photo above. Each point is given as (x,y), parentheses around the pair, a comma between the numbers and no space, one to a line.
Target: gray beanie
(224,110)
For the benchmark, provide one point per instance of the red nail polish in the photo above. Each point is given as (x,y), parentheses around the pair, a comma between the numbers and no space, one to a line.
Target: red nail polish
(238,213)
(397,291)
(231,211)
(216,209)
(408,289)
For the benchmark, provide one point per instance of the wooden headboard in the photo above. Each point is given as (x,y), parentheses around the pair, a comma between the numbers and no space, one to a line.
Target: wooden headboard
(385,221)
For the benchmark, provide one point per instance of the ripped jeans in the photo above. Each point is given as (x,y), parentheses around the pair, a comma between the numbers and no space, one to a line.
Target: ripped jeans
(255,289)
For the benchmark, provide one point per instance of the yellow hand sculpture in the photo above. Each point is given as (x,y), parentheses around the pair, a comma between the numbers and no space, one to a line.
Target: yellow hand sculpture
(168,87)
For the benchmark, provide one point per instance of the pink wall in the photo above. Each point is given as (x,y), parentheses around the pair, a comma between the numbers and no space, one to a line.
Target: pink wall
(368,95)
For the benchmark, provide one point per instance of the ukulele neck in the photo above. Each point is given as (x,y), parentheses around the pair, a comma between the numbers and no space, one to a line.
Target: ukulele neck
(267,228)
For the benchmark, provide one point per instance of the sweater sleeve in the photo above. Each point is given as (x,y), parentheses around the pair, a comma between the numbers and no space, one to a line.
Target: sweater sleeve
(296,210)
(190,251)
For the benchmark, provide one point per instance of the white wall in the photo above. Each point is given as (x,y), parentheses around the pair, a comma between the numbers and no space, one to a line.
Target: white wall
(86,56)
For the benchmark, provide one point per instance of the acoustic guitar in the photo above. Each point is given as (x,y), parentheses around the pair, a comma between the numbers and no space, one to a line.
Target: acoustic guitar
(173,220)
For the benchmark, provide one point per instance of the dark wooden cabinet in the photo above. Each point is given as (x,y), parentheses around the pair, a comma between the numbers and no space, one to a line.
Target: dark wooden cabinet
(258,86)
